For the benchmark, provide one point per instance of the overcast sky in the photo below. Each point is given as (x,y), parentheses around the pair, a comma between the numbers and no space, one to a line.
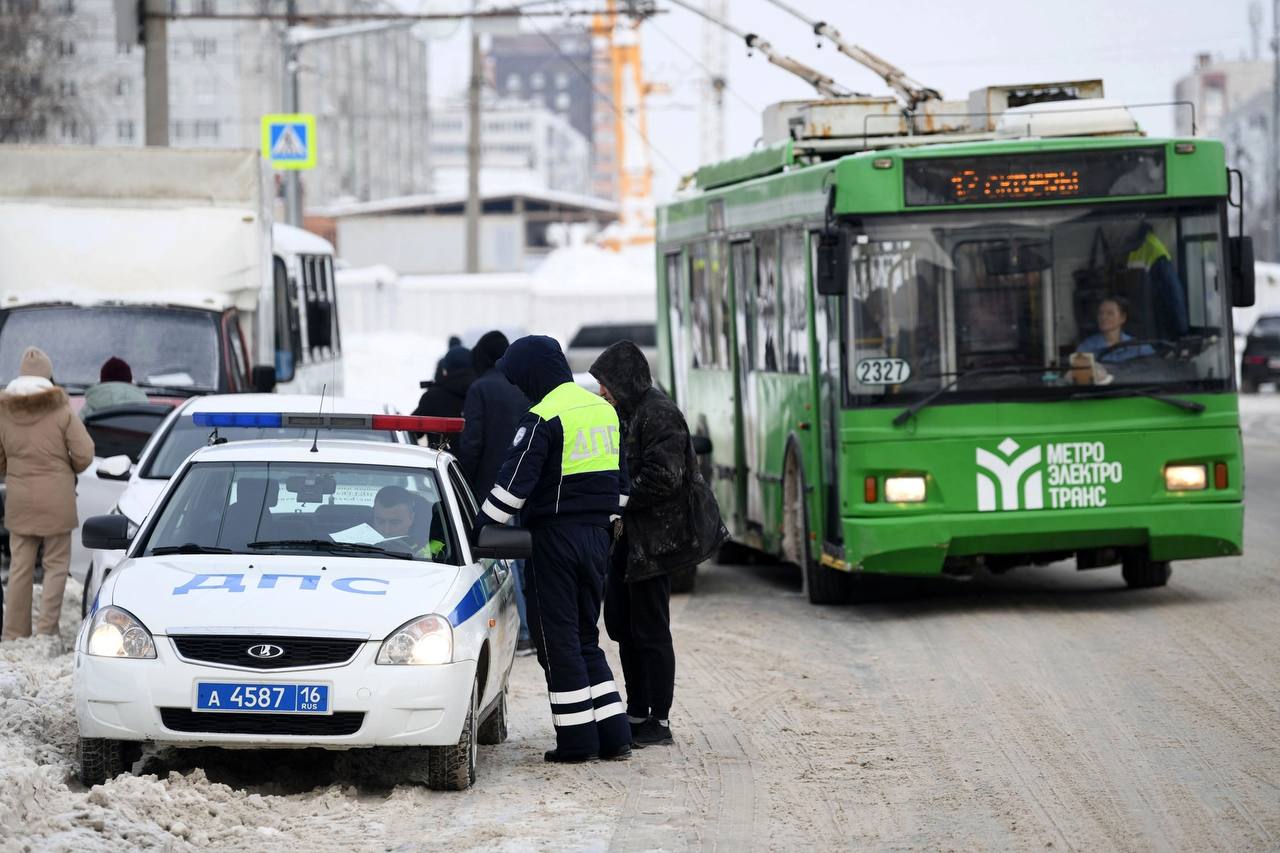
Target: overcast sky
(1138,47)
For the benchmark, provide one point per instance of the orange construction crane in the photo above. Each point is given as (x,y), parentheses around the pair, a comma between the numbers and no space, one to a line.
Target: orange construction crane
(616,40)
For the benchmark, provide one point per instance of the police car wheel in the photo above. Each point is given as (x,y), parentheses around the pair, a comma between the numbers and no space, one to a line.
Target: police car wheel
(453,768)
(494,728)
(1141,572)
(100,759)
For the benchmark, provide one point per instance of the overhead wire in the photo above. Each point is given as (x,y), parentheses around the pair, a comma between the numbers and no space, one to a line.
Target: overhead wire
(653,24)
(608,98)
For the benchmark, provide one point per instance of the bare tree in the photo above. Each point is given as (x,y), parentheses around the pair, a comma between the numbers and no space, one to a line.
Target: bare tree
(35,46)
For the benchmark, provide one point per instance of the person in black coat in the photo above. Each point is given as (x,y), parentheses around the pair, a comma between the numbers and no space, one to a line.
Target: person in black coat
(445,395)
(492,410)
(670,522)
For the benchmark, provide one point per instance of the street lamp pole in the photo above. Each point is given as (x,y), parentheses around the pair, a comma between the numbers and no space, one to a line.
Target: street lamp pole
(289,55)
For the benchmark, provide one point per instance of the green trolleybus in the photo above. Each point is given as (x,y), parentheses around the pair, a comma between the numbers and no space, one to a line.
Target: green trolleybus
(919,355)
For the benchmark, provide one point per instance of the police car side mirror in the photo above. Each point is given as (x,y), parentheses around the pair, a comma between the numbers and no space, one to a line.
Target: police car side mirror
(114,468)
(499,542)
(106,532)
(1242,280)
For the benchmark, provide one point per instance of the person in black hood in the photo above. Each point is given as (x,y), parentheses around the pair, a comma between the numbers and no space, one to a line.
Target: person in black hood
(563,477)
(445,395)
(492,411)
(670,521)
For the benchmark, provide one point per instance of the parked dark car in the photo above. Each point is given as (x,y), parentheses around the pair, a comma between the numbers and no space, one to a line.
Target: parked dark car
(1261,361)
(591,340)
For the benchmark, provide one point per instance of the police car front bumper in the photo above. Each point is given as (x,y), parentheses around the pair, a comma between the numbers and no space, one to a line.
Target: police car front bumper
(125,699)
(919,543)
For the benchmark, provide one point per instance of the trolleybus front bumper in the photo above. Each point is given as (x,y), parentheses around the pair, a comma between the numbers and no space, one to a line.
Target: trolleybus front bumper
(919,544)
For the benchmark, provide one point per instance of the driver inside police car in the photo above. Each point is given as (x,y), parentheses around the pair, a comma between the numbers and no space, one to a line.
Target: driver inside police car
(400,514)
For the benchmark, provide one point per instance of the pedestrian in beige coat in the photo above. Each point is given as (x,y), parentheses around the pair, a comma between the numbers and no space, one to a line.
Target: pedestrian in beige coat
(43,445)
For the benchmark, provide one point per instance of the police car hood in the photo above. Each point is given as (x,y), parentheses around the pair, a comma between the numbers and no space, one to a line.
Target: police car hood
(279,594)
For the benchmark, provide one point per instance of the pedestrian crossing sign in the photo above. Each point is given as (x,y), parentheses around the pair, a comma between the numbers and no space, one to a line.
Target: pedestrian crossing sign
(289,140)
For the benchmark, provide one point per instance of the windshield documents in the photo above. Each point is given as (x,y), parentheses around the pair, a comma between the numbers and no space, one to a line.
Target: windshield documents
(639,426)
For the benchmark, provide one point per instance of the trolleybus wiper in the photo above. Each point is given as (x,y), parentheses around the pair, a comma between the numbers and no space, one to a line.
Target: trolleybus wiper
(906,414)
(1151,393)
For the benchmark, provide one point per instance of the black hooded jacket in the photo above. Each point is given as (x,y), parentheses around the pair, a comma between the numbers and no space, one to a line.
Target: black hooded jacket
(671,517)
(539,480)
(492,410)
(444,397)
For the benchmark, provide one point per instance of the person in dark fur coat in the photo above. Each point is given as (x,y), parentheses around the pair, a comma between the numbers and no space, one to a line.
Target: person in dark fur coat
(670,522)
(43,445)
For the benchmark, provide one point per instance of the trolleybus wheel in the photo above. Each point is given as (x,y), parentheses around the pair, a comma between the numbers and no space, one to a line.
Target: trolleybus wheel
(821,584)
(1140,571)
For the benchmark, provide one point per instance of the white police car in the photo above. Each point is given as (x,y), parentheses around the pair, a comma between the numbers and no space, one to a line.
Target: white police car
(138,485)
(290,593)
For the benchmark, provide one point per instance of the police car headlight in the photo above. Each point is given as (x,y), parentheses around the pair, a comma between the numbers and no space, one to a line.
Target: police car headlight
(426,640)
(904,490)
(133,527)
(116,633)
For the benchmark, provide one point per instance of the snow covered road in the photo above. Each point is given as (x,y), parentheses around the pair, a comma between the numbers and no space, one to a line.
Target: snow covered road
(1043,709)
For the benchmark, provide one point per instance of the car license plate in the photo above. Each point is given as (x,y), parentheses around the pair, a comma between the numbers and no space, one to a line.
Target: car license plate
(271,698)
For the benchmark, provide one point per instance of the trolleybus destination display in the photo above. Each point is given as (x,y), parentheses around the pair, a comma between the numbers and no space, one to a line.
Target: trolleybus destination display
(1041,176)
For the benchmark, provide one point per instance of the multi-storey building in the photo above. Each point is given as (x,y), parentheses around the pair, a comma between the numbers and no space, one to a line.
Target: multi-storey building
(1215,89)
(368,92)
(522,143)
(569,75)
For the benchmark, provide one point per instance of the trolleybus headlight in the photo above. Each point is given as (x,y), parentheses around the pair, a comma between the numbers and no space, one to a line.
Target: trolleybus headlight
(425,640)
(1185,478)
(117,633)
(904,490)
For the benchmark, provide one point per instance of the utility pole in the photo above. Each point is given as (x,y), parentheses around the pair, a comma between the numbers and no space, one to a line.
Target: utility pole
(289,56)
(1274,219)
(473,153)
(711,104)
(155,71)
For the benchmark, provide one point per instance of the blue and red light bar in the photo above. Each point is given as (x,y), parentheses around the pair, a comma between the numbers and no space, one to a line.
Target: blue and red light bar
(301,420)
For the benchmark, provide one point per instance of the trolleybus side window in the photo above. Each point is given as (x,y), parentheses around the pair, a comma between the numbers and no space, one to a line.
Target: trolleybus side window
(700,307)
(743,254)
(676,326)
(723,316)
(708,301)
(766,302)
(795,311)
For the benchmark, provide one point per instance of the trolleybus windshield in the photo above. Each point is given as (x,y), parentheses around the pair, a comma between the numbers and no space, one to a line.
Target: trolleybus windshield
(1036,302)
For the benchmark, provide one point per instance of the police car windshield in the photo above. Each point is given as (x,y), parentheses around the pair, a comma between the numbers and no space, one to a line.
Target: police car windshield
(296,508)
(185,438)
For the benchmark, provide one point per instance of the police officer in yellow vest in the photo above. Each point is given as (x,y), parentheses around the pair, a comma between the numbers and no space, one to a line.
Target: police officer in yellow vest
(562,478)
